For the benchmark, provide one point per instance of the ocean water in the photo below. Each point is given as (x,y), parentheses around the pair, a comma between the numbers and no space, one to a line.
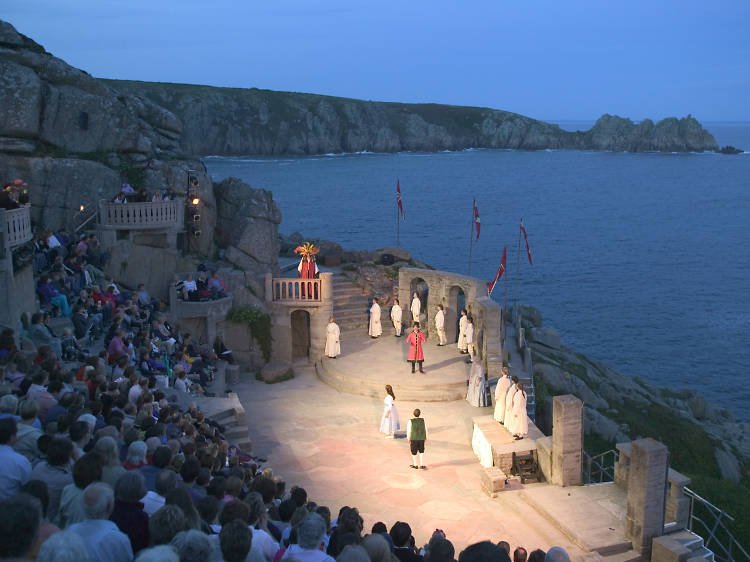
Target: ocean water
(640,260)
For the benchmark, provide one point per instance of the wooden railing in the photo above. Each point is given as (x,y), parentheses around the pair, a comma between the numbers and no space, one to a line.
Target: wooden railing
(296,290)
(161,214)
(16,225)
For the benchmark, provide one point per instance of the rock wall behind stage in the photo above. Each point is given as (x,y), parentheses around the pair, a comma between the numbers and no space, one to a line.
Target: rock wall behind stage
(443,287)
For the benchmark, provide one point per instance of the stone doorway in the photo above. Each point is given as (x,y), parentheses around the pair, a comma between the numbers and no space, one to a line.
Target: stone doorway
(456,302)
(300,334)
(419,286)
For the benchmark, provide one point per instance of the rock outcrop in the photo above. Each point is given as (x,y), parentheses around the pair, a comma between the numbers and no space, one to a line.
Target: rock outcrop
(235,122)
(247,226)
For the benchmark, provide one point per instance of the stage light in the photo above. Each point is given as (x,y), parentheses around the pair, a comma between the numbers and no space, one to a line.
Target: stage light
(81,208)
(196,201)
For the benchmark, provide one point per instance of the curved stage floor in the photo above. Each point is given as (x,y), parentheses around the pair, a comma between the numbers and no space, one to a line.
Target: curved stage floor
(366,365)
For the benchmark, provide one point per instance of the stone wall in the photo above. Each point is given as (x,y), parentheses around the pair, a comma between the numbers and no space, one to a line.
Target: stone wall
(442,288)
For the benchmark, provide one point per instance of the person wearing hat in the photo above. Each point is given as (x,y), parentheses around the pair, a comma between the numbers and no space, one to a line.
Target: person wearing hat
(416,348)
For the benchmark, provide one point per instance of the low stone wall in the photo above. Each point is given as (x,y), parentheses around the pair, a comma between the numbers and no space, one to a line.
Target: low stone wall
(443,288)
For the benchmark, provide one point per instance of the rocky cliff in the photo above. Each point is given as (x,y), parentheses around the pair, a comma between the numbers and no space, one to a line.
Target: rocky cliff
(234,122)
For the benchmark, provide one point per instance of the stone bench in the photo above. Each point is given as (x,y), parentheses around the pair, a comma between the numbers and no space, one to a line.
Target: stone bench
(493,480)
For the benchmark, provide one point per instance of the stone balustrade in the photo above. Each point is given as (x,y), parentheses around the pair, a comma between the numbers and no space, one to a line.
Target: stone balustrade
(295,291)
(16,227)
(136,216)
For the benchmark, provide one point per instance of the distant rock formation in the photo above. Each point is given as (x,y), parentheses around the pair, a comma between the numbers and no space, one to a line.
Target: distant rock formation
(235,122)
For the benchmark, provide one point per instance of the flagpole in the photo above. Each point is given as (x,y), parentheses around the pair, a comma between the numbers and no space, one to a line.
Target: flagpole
(518,266)
(471,236)
(398,228)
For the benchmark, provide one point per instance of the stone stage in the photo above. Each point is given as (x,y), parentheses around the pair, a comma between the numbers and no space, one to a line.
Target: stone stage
(366,365)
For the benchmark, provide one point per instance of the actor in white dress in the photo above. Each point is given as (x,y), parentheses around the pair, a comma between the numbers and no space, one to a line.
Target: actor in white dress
(520,423)
(469,337)
(389,422)
(375,329)
(333,347)
(503,383)
(416,308)
(476,394)
(509,401)
(396,315)
(440,324)
(462,332)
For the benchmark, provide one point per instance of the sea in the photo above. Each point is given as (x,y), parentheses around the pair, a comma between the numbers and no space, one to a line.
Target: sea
(640,260)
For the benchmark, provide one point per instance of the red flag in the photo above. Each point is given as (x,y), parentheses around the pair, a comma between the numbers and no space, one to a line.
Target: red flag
(398,199)
(525,239)
(477,222)
(498,275)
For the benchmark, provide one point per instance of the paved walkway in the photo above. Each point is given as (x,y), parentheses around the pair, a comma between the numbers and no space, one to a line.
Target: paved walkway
(328,442)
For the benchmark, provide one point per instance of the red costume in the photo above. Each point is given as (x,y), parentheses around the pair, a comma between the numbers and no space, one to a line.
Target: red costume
(415,340)
(307,270)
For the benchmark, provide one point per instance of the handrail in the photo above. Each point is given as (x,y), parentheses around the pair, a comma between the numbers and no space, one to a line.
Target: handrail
(598,465)
(717,534)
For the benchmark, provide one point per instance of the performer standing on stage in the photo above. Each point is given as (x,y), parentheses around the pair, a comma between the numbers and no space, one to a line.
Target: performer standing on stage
(509,402)
(519,425)
(375,330)
(416,307)
(503,383)
(333,347)
(462,332)
(416,433)
(469,337)
(389,422)
(416,349)
(440,325)
(396,315)
(307,268)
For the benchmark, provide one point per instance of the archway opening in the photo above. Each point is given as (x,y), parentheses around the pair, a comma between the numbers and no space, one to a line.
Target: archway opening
(300,334)
(456,302)
(422,289)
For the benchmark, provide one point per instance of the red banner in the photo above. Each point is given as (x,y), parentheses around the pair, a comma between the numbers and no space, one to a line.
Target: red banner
(525,239)
(498,275)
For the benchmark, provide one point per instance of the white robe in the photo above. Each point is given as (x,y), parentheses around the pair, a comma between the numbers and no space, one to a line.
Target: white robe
(333,347)
(389,422)
(520,422)
(440,320)
(509,405)
(416,308)
(396,315)
(476,393)
(375,328)
(462,332)
(500,390)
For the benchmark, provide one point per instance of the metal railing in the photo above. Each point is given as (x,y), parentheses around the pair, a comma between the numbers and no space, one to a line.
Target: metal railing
(131,216)
(707,521)
(296,290)
(600,468)
(85,215)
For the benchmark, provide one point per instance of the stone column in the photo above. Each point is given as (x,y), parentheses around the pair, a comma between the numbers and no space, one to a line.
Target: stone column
(268,288)
(326,287)
(678,504)
(647,485)
(567,440)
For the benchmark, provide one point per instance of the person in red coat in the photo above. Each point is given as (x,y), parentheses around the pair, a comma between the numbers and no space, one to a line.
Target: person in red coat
(307,269)
(416,349)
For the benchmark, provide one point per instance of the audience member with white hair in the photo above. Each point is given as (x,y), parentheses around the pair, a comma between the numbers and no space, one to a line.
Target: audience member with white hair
(311,533)
(161,553)
(104,541)
(192,546)
(65,546)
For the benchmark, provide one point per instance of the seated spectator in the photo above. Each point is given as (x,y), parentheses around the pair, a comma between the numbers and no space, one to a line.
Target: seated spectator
(71,351)
(520,554)
(142,196)
(165,524)
(378,548)
(40,335)
(55,472)
(128,512)
(402,543)
(112,470)
(180,498)
(557,554)
(49,295)
(104,541)
(192,546)
(263,544)
(64,546)
(136,456)
(27,434)
(235,540)
(208,509)
(15,469)
(166,481)
(9,407)
(86,470)
(189,288)
(311,533)
(537,555)
(80,434)
(217,286)
(161,553)
(38,489)
(120,198)
(349,523)
(20,519)
(160,460)
(483,551)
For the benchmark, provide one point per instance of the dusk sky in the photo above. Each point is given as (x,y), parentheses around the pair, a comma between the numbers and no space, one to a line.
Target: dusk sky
(551,60)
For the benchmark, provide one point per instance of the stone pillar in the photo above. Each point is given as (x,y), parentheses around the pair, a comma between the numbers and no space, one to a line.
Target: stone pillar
(647,485)
(268,288)
(326,287)
(281,332)
(622,466)
(567,440)
(678,504)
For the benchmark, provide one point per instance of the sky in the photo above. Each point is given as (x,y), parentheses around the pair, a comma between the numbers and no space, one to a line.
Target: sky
(552,60)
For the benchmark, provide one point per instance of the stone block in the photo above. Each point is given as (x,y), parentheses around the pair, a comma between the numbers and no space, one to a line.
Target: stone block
(544,455)
(154,240)
(545,336)
(666,549)
(647,485)
(567,440)
(493,480)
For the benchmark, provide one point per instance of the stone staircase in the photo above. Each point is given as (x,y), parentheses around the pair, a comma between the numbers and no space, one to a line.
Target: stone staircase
(683,544)
(351,306)
(515,361)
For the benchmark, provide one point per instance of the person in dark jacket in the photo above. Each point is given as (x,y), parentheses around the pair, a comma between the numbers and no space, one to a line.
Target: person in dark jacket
(128,513)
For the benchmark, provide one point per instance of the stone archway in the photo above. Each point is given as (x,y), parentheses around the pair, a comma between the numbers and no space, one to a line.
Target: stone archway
(300,334)
(456,302)
(419,286)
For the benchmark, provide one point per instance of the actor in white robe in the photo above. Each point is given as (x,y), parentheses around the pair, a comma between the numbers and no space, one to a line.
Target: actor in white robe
(520,423)
(503,383)
(509,401)
(333,347)
(416,308)
(440,325)
(469,336)
(396,316)
(462,332)
(375,330)
(389,423)
(476,394)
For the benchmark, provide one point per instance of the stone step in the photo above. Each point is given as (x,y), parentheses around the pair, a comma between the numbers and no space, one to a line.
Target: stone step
(235,432)
(701,554)
(627,556)
(688,539)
